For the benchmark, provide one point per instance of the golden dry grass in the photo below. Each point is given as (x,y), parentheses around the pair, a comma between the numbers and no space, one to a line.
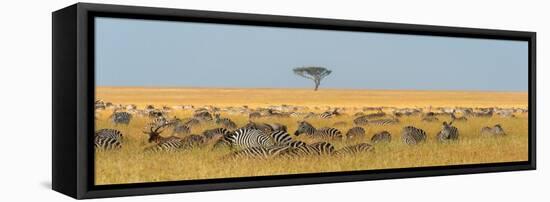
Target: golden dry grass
(131,165)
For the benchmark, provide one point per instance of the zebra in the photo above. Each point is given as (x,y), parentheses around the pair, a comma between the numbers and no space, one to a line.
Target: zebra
(361,120)
(355,149)
(383,122)
(494,131)
(266,127)
(430,119)
(244,138)
(281,137)
(203,116)
(412,136)
(380,137)
(455,119)
(178,144)
(108,139)
(225,122)
(316,149)
(258,152)
(254,115)
(447,133)
(121,118)
(329,114)
(308,129)
(355,132)
(215,133)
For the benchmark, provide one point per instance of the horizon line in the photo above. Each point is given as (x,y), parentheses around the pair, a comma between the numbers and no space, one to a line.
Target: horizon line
(299,88)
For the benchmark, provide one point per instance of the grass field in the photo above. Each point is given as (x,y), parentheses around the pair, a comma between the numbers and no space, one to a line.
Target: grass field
(131,165)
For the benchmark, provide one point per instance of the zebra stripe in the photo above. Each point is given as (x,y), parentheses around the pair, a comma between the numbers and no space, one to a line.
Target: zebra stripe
(258,152)
(225,122)
(383,122)
(108,139)
(412,136)
(215,133)
(121,118)
(308,129)
(383,136)
(447,133)
(244,138)
(494,131)
(355,149)
(355,132)
(316,149)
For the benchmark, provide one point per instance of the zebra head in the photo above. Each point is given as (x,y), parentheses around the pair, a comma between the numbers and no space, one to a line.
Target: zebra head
(304,127)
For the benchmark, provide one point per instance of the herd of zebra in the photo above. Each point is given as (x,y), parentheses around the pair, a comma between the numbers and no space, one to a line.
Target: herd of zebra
(259,140)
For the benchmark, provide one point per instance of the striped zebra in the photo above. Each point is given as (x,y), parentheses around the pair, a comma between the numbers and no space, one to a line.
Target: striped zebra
(203,116)
(258,152)
(361,120)
(245,138)
(108,139)
(329,114)
(266,127)
(355,132)
(178,144)
(355,149)
(254,115)
(496,130)
(216,133)
(316,149)
(380,137)
(447,133)
(225,122)
(308,129)
(121,118)
(412,136)
(455,119)
(383,122)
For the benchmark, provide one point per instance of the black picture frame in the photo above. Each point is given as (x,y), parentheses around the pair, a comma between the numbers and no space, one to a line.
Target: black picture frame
(73,100)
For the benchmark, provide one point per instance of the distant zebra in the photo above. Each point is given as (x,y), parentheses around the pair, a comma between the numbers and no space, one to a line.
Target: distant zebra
(254,115)
(316,149)
(258,152)
(430,119)
(121,118)
(456,119)
(380,137)
(494,131)
(245,138)
(203,116)
(108,139)
(225,122)
(329,114)
(215,133)
(266,127)
(308,129)
(355,149)
(383,122)
(447,133)
(412,136)
(177,144)
(361,120)
(355,132)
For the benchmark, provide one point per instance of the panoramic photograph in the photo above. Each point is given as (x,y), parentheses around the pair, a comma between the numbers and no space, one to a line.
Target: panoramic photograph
(177,101)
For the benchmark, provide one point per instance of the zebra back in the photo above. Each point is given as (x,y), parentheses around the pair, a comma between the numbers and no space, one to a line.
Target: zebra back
(244,138)
(355,149)
(412,136)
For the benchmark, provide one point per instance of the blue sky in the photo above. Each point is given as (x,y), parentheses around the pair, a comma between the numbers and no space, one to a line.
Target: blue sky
(153,53)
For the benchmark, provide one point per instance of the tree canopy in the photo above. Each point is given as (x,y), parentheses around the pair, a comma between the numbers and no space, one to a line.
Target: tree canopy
(316,74)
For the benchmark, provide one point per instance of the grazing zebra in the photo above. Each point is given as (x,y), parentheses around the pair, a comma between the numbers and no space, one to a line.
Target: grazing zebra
(355,149)
(225,122)
(215,133)
(412,136)
(192,122)
(455,119)
(203,116)
(308,129)
(121,118)
(494,131)
(316,149)
(430,119)
(355,132)
(245,138)
(383,122)
(329,114)
(447,133)
(258,152)
(108,139)
(380,137)
(361,120)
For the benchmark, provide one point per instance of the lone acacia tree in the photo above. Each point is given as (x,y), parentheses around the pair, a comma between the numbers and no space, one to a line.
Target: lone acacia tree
(316,74)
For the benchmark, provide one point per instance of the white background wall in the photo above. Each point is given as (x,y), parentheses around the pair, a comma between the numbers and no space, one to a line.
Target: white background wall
(25,82)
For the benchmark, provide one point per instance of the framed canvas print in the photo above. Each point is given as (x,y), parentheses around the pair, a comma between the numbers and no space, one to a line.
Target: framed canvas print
(154,100)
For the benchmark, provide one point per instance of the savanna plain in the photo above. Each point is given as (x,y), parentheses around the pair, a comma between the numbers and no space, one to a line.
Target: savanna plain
(131,164)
